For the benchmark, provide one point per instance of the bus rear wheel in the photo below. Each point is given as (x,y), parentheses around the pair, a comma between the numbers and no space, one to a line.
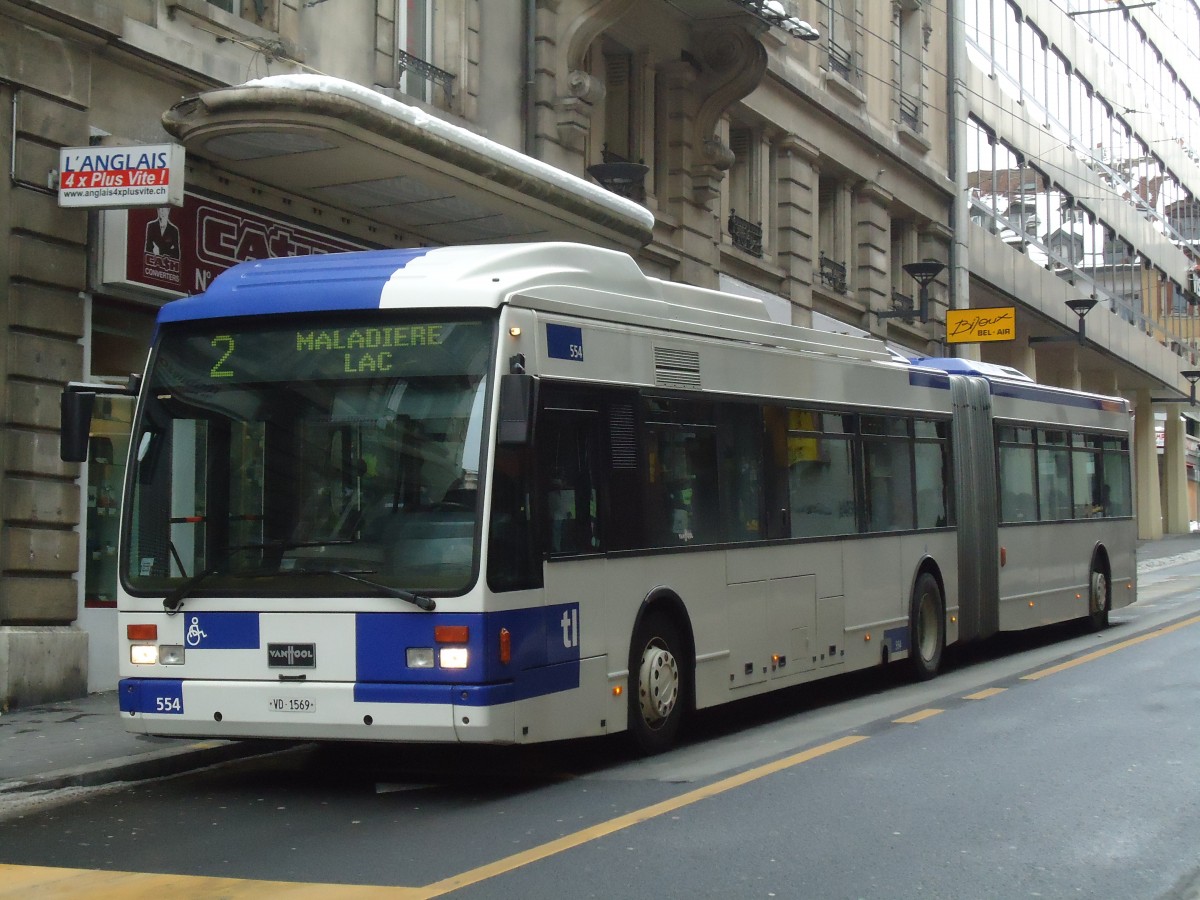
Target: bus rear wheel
(1098,602)
(657,684)
(926,628)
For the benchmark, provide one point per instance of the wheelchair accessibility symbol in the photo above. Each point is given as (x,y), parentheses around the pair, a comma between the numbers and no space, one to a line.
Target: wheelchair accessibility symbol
(195,634)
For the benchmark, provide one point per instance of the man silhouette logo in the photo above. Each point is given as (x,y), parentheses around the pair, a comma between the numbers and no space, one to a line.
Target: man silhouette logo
(162,236)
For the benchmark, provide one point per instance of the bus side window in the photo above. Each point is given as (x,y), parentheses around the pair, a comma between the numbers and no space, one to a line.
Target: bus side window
(569,464)
(682,481)
(512,563)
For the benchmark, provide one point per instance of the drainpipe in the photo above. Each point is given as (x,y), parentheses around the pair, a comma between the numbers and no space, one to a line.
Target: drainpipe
(530,66)
(960,272)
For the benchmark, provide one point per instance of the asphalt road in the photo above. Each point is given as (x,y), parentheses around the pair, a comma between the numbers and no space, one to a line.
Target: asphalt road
(1057,764)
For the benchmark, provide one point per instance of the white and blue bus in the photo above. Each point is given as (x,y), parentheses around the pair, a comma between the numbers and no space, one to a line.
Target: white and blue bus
(523,493)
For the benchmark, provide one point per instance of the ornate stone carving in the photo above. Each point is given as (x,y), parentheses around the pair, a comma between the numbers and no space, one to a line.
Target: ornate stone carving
(732,64)
(579,91)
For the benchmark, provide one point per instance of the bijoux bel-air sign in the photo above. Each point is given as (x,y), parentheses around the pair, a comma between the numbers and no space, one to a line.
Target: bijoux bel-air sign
(111,177)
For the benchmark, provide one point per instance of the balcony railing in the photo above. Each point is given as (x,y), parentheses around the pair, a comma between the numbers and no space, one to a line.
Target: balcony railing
(406,62)
(745,234)
(773,12)
(910,112)
(841,60)
(833,274)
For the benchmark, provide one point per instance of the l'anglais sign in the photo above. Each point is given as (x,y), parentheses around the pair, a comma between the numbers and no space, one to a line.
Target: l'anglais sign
(117,177)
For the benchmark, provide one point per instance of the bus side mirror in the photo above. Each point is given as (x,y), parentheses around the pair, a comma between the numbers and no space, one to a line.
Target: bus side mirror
(518,403)
(75,410)
(75,414)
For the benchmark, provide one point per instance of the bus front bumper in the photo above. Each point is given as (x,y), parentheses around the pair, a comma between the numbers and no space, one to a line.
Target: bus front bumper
(319,710)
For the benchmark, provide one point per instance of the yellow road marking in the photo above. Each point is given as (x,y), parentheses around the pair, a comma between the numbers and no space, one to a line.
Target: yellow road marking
(48,882)
(19,881)
(1112,648)
(918,716)
(603,829)
(985,693)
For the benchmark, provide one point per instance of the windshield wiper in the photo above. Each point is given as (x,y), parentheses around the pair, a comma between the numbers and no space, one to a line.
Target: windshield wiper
(418,600)
(174,599)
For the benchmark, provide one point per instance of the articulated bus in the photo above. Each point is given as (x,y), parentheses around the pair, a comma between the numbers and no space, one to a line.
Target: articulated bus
(523,493)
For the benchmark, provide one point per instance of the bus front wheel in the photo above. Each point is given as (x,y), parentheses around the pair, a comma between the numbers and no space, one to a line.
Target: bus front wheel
(657,684)
(927,628)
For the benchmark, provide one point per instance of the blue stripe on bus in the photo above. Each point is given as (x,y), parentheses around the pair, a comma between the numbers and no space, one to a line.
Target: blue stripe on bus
(151,695)
(1038,393)
(529,683)
(544,641)
(927,378)
(221,631)
(1047,395)
(328,281)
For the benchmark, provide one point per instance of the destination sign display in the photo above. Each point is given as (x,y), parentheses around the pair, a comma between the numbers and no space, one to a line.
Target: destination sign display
(226,354)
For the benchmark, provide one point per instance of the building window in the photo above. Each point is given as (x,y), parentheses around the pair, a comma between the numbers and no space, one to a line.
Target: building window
(264,13)
(619,117)
(910,47)
(746,183)
(414,41)
(839,27)
(833,230)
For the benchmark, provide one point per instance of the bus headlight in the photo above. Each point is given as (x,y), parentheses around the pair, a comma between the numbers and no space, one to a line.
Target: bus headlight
(419,657)
(453,657)
(143,655)
(170,654)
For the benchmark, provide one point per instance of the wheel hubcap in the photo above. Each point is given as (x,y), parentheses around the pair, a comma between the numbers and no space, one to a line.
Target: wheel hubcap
(1099,592)
(927,627)
(658,684)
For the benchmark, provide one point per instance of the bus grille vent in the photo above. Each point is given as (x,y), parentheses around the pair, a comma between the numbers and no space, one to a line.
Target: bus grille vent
(621,440)
(676,368)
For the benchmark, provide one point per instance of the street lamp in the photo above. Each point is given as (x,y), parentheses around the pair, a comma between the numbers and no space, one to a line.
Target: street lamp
(924,272)
(1081,308)
(1192,376)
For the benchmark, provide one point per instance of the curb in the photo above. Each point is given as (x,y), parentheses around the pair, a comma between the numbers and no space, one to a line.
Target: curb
(143,766)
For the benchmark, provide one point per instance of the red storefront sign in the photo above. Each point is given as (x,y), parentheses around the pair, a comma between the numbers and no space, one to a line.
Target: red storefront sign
(180,250)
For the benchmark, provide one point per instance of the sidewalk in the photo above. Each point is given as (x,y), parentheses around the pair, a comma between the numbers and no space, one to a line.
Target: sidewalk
(83,743)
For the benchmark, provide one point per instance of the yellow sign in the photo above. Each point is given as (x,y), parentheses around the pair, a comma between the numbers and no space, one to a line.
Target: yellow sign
(972,326)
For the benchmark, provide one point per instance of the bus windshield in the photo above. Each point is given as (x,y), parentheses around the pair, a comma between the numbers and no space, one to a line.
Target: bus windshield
(277,459)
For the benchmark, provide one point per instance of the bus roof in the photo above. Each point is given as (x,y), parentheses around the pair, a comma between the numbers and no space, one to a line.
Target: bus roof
(571,278)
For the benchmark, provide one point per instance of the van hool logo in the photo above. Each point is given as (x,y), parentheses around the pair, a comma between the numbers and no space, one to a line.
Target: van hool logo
(292,656)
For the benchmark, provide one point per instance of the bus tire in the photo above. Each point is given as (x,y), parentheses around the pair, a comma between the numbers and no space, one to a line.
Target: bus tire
(926,628)
(657,694)
(1099,602)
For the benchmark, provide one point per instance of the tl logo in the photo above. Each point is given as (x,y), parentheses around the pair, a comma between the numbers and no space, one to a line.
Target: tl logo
(570,627)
